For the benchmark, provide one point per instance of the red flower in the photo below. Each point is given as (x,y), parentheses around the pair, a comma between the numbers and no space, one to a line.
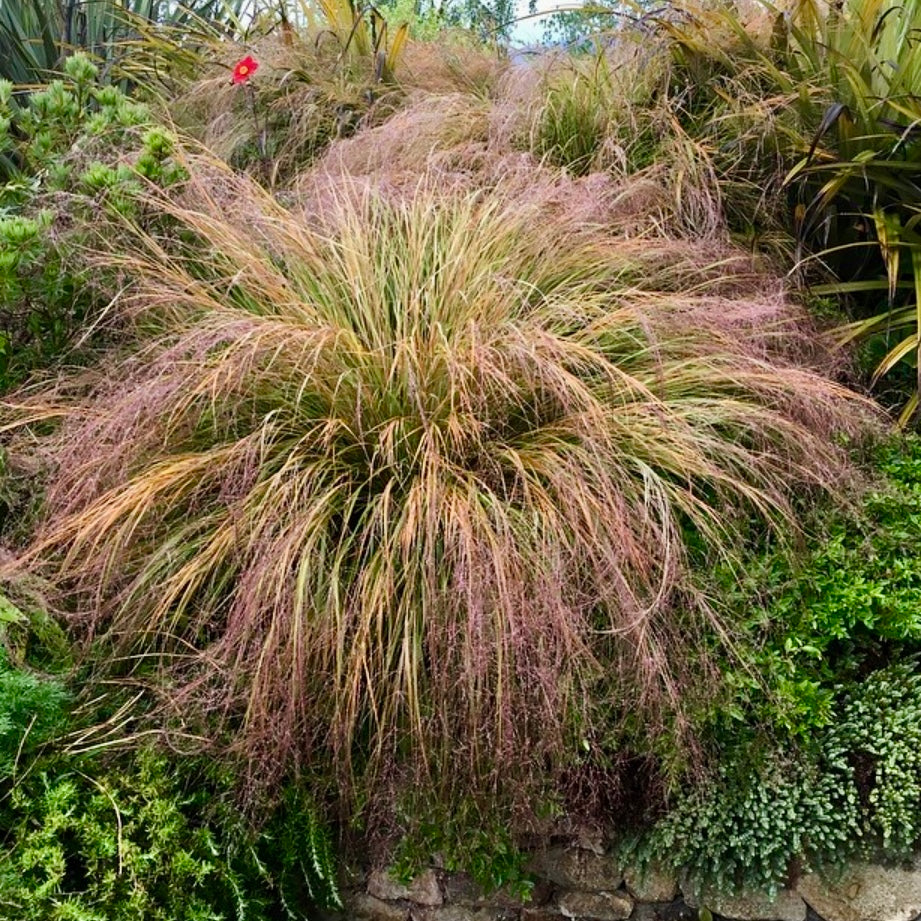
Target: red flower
(244,70)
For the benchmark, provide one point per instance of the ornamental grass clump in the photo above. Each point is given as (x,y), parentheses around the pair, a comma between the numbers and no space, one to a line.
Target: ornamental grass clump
(401,485)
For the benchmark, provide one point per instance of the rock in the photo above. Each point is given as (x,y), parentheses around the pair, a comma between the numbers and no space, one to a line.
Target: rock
(460,889)
(865,893)
(589,838)
(541,914)
(573,868)
(654,884)
(363,907)
(643,911)
(596,906)
(679,910)
(753,906)
(461,913)
(423,890)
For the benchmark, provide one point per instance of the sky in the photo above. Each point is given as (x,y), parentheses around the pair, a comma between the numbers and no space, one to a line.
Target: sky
(529,31)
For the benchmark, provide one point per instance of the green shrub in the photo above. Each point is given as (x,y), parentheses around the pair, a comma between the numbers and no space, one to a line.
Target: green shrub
(115,845)
(75,154)
(876,731)
(139,835)
(132,834)
(806,626)
(814,635)
(856,789)
(32,709)
(472,835)
(753,821)
(147,838)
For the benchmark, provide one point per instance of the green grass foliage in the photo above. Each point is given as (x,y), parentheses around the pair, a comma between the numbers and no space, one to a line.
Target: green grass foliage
(417,474)
(596,113)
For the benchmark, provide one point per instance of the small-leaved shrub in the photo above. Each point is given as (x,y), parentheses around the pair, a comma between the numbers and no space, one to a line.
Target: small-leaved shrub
(92,827)
(33,708)
(472,836)
(146,838)
(752,822)
(856,789)
(814,637)
(849,603)
(75,154)
(876,731)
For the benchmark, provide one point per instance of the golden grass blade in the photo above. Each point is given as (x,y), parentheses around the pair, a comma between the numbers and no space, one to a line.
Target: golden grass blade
(416,473)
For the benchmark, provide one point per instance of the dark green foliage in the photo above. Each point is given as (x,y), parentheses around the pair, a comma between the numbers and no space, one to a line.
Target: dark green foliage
(32,708)
(134,834)
(574,121)
(851,604)
(751,821)
(855,790)
(470,836)
(817,748)
(874,742)
(298,847)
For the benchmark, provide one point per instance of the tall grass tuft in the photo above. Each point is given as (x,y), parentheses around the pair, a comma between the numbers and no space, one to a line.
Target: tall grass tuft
(404,483)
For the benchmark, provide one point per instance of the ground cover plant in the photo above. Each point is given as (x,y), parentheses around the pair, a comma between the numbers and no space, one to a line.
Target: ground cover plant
(92,827)
(148,836)
(814,745)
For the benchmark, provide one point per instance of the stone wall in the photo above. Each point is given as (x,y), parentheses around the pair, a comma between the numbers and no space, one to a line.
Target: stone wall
(584,885)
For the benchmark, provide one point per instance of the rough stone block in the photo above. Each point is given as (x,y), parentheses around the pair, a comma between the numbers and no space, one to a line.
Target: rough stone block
(364,907)
(423,890)
(543,913)
(596,906)
(573,868)
(460,889)
(654,884)
(753,906)
(865,892)
(461,913)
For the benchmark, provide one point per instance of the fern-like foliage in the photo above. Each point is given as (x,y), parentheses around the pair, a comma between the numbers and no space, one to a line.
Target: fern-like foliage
(305,854)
